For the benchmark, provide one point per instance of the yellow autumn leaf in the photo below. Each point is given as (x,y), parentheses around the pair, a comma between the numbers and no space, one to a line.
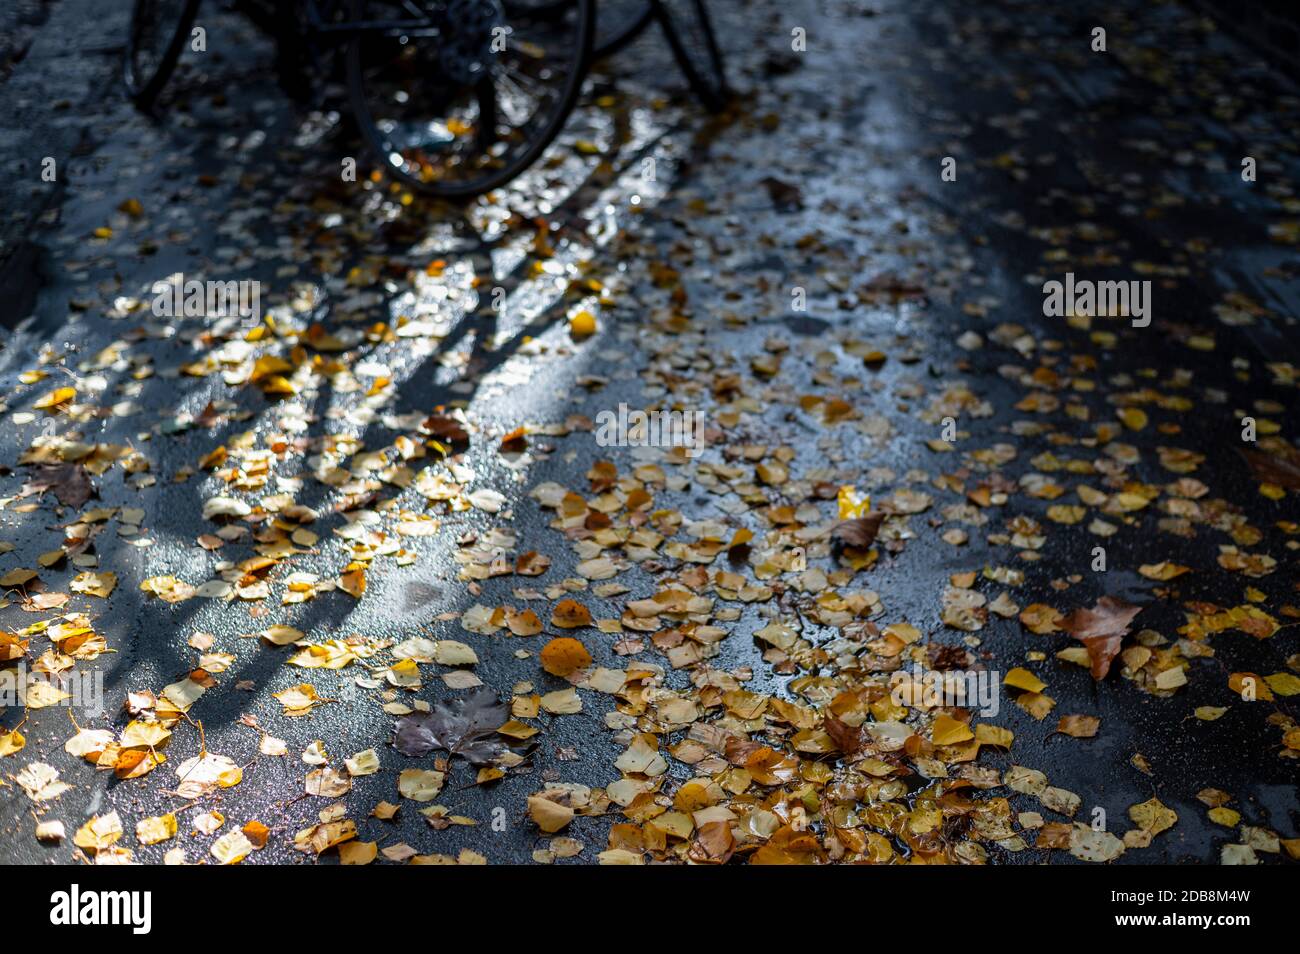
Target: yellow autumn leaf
(94,584)
(298,700)
(276,384)
(1036,704)
(232,847)
(1078,726)
(144,734)
(1019,678)
(950,731)
(1134,418)
(1067,514)
(852,504)
(358,852)
(1224,816)
(420,785)
(1040,618)
(353,582)
(564,655)
(549,816)
(996,735)
(17,577)
(55,398)
(99,833)
(41,695)
(363,763)
(1162,571)
(1153,816)
(1250,687)
(1283,683)
(281,635)
(582,325)
(11,742)
(159,828)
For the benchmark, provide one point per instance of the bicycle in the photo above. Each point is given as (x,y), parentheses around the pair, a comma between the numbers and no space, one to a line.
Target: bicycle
(496,79)
(689,31)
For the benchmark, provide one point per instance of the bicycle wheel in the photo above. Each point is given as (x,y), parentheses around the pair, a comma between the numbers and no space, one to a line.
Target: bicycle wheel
(458,97)
(158,32)
(618,22)
(689,32)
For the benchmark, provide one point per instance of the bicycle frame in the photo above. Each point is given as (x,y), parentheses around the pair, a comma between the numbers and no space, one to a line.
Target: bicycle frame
(317,25)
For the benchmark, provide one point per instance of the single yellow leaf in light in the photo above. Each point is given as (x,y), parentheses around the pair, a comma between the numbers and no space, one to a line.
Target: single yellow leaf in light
(298,700)
(353,583)
(144,734)
(582,325)
(514,729)
(99,833)
(94,584)
(1019,678)
(852,504)
(55,398)
(11,743)
(159,828)
(41,694)
(232,847)
(363,763)
(1037,704)
(281,635)
(950,731)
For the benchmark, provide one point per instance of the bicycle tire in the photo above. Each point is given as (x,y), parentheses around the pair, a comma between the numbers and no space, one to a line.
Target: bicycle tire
(144,84)
(536,144)
(620,31)
(704,69)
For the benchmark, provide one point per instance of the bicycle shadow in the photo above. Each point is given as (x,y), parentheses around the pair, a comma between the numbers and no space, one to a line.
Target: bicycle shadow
(154,635)
(488,346)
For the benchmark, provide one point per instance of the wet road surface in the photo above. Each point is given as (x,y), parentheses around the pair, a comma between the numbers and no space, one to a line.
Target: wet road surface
(800,273)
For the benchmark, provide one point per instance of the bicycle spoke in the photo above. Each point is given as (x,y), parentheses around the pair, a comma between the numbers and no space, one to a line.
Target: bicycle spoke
(154,43)
(505,84)
(488,112)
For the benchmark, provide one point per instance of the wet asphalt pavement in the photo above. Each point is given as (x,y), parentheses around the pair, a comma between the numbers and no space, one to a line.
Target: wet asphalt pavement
(1119,164)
